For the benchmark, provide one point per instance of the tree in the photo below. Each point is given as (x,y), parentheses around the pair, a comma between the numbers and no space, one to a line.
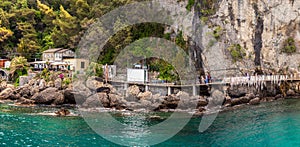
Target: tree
(5,33)
(28,43)
(66,27)
(18,67)
(95,69)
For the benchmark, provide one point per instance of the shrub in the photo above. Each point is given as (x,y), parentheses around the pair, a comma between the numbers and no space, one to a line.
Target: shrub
(289,46)
(217,33)
(237,52)
(190,5)
(66,81)
(18,67)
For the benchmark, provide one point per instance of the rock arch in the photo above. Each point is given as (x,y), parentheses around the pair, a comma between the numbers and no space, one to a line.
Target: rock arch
(4,74)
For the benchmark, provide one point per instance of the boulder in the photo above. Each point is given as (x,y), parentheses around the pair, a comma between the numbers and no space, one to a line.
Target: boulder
(49,96)
(42,84)
(171,104)
(254,101)
(250,95)
(146,104)
(10,86)
(6,93)
(133,90)
(93,84)
(202,102)
(290,92)
(24,101)
(103,89)
(50,84)
(227,101)
(244,99)
(15,96)
(81,91)
(58,83)
(145,95)
(182,95)
(158,99)
(104,99)
(278,96)
(131,98)
(96,101)
(237,91)
(62,112)
(171,98)
(32,82)
(187,104)
(23,80)
(3,85)
(235,101)
(24,90)
(156,96)
(69,96)
(113,90)
(114,100)
(34,90)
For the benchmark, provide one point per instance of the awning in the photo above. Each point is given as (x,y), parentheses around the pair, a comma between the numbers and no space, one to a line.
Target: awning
(59,63)
(40,62)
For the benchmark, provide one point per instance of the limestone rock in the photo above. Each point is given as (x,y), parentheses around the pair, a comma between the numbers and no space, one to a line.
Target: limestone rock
(42,84)
(145,95)
(34,90)
(49,96)
(290,92)
(93,84)
(69,96)
(244,99)
(133,90)
(3,85)
(80,90)
(50,84)
(202,102)
(10,86)
(227,101)
(235,101)
(62,112)
(96,100)
(58,83)
(254,101)
(114,100)
(6,93)
(182,95)
(24,101)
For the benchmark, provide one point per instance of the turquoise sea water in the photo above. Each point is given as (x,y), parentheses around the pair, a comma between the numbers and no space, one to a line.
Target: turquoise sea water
(268,124)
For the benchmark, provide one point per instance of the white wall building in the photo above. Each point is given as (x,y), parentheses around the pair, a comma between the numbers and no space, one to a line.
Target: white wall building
(137,75)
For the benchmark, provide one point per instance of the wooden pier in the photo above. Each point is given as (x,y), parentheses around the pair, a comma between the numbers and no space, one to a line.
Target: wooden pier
(258,81)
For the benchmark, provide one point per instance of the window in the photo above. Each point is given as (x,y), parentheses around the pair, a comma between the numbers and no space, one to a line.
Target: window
(82,64)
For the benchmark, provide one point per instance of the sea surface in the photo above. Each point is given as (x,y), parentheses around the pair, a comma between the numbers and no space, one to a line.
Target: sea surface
(268,124)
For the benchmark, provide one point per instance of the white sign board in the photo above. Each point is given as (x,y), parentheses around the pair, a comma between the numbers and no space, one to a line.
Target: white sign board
(137,75)
(7,64)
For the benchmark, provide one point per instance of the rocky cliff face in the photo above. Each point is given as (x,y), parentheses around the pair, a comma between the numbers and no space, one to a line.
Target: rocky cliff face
(259,28)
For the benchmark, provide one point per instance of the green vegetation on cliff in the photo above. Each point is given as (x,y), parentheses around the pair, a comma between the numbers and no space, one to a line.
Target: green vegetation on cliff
(289,46)
(237,52)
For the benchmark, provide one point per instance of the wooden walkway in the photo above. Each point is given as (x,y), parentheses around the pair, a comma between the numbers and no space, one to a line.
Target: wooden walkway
(251,80)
